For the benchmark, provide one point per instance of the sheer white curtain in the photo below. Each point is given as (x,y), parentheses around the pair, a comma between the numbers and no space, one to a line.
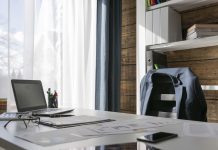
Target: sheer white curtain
(65,50)
(16,44)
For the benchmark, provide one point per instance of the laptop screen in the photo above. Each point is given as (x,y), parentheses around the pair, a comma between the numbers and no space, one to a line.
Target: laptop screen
(28,95)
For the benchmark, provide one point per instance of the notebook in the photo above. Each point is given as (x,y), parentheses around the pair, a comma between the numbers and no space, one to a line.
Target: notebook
(29,97)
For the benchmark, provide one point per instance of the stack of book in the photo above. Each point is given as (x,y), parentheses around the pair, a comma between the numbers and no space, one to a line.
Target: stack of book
(154,2)
(202,30)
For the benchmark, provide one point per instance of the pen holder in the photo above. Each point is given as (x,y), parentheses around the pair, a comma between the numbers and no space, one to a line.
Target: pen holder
(52,99)
(53,102)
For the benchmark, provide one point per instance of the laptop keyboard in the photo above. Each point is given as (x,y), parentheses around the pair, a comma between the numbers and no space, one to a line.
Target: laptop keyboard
(51,111)
(46,110)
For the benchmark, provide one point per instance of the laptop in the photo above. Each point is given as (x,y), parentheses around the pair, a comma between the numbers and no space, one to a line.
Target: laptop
(29,97)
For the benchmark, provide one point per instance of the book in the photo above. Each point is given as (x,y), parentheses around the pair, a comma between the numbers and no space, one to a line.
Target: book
(153,2)
(201,35)
(202,26)
(197,30)
(148,3)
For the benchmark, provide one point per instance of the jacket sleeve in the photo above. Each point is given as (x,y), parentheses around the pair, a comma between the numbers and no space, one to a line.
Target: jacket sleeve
(142,93)
(202,102)
(143,89)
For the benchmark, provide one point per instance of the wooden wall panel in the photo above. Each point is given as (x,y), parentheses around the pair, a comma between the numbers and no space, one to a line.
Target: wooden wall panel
(202,15)
(129,29)
(209,82)
(190,55)
(203,62)
(128,72)
(128,88)
(128,4)
(129,17)
(128,57)
(211,94)
(128,41)
(128,103)
(205,69)
(212,110)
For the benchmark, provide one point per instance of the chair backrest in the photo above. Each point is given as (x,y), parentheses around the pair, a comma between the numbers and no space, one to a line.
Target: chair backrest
(156,85)
(162,101)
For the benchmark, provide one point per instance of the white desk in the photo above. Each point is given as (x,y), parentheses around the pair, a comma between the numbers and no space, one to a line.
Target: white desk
(9,141)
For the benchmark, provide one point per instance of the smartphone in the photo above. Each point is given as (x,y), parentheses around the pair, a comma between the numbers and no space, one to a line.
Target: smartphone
(157,137)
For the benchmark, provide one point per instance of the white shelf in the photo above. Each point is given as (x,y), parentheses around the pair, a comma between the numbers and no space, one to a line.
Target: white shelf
(182,5)
(183,45)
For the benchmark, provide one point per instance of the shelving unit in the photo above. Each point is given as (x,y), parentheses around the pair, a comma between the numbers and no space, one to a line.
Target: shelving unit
(183,45)
(201,55)
(183,5)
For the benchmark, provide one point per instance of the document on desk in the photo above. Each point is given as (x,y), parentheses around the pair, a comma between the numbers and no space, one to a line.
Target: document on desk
(77,133)
(73,129)
(128,126)
(200,129)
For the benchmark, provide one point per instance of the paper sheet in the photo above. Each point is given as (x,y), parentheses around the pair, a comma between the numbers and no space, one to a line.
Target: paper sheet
(128,126)
(200,129)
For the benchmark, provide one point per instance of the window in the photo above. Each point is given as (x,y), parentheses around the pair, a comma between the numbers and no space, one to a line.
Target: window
(12,53)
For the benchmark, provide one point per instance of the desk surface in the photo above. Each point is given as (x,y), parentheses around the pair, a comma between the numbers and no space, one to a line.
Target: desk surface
(9,141)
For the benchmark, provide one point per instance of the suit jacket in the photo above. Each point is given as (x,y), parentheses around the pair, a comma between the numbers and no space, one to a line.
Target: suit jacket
(190,100)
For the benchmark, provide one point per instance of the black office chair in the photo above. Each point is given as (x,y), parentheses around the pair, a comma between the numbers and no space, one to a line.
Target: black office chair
(174,93)
(162,102)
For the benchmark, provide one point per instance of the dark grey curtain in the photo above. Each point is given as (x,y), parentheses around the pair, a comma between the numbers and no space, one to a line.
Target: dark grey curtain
(108,55)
